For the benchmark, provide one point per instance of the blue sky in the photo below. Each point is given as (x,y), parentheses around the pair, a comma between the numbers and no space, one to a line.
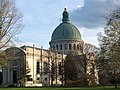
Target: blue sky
(41,17)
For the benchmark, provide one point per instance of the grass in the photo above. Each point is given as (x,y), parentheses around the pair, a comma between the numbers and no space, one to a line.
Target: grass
(65,88)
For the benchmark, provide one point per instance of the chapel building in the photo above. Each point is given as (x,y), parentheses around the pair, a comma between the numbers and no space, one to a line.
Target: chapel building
(33,66)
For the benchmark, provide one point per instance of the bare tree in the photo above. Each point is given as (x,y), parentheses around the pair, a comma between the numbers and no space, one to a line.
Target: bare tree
(10,22)
(108,60)
(91,51)
(89,48)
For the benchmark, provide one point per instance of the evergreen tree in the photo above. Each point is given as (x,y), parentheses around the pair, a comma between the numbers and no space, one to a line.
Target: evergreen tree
(75,70)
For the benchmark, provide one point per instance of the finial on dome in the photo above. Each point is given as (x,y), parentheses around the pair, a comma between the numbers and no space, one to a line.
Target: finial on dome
(65,9)
(65,15)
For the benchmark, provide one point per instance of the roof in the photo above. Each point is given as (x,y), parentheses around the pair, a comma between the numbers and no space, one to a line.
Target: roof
(65,30)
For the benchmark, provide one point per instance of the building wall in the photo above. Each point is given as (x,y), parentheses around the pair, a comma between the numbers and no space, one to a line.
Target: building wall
(15,58)
(42,74)
(67,46)
(44,58)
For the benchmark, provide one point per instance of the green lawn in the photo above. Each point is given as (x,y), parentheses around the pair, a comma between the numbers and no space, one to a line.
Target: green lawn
(61,88)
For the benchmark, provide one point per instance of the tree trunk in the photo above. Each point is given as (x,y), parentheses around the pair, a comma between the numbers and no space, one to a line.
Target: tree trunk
(115,85)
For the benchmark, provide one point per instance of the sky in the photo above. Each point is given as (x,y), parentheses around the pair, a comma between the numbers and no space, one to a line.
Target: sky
(41,17)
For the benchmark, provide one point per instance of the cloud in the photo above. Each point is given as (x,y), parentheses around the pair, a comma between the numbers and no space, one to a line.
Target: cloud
(90,35)
(93,12)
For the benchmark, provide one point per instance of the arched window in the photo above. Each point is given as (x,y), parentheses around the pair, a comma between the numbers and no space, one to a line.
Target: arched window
(60,46)
(78,47)
(74,47)
(65,46)
(57,47)
(70,46)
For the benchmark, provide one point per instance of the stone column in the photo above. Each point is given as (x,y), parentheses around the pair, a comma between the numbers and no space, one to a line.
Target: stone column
(4,76)
(8,74)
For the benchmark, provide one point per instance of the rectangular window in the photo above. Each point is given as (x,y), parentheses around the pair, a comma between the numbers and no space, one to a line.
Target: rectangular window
(57,47)
(60,46)
(38,67)
(70,46)
(46,67)
(65,46)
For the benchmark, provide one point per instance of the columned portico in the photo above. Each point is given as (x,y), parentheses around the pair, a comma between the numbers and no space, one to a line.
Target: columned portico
(15,66)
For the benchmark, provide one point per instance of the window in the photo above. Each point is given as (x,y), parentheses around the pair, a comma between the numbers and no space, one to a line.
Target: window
(53,68)
(78,47)
(53,47)
(38,67)
(57,47)
(74,47)
(46,67)
(45,79)
(60,46)
(70,46)
(60,68)
(65,46)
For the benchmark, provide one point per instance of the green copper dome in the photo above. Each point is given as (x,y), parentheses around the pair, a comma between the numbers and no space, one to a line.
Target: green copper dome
(66,30)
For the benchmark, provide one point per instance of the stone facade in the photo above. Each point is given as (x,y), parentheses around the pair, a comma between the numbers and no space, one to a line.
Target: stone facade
(67,46)
(38,61)
(14,69)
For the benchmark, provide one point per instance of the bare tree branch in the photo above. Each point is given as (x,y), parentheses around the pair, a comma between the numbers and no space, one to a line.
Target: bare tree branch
(10,22)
